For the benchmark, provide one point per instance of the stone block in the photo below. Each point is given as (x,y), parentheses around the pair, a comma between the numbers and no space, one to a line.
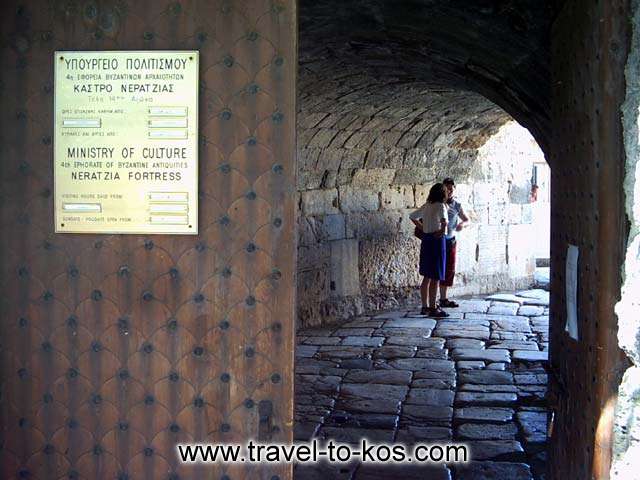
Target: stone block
(345,278)
(358,200)
(374,179)
(481,431)
(483,414)
(322,138)
(421,193)
(493,471)
(313,257)
(513,214)
(310,179)
(319,202)
(420,158)
(527,213)
(365,225)
(395,198)
(385,158)
(353,158)
(330,158)
(414,176)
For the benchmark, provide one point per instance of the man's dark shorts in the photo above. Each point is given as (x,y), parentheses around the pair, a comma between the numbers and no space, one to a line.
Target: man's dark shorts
(450,269)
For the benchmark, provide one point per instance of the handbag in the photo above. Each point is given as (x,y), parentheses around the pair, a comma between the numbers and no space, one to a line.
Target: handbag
(417,232)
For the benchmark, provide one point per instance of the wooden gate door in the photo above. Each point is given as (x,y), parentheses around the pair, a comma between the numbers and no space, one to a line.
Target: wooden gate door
(117,347)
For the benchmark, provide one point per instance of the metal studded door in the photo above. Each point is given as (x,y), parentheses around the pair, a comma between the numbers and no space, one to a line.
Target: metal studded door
(115,348)
(590,44)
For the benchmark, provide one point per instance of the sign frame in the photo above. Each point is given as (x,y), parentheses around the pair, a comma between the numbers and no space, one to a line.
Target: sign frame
(165,214)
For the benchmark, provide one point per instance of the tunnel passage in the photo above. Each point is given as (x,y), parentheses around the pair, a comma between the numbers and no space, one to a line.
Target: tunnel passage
(368,152)
(393,96)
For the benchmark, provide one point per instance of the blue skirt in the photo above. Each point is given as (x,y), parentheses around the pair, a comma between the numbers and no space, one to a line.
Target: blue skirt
(433,256)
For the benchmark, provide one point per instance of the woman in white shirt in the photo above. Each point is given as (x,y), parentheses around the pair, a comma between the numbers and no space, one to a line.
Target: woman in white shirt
(432,219)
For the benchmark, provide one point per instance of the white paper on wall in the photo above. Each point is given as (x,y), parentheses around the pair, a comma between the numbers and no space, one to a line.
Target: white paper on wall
(571,291)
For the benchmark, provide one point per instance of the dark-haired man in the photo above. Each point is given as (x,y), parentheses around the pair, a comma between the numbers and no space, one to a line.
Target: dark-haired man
(457,221)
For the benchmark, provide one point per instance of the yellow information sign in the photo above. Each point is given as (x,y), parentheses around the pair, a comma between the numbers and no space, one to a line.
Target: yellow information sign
(126,142)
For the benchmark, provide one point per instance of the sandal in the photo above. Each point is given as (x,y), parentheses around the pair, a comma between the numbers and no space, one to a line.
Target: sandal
(424,310)
(445,302)
(437,313)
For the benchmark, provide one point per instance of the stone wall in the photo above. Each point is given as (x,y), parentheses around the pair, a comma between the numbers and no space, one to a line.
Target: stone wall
(356,248)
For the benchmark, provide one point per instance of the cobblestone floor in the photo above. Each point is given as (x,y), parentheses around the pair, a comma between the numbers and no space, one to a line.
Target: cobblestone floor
(477,376)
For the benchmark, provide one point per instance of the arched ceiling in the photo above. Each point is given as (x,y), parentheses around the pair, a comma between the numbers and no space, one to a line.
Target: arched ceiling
(354,129)
(498,48)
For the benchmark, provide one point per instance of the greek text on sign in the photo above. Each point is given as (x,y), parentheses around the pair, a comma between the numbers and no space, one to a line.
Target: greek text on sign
(126,142)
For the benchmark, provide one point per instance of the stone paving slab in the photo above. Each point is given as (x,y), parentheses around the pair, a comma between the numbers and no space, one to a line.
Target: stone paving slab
(514,345)
(470,387)
(486,399)
(486,377)
(415,341)
(470,365)
(391,352)
(504,450)
(519,324)
(496,366)
(357,364)
(363,341)
(503,308)
(505,297)
(534,426)
(442,384)
(493,471)
(462,333)
(483,414)
(487,431)
(402,331)
(363,323)
(534,293)
(404,472)
(320,471)
(472,323)
(341,352)
(373,391)
(532,301)
(430,397)
(429,364)
(359,405)
(425,323)
(476,306)
(386,377)
(391,314)
(411,435)
(306,351)
(321,341)
(341,418)
(494,355)
(529,356)
(500,336)
(420,416)
(465,343)
(530,378)
(489,317)
(432,353)
(353,332)
(355,435)
(318,370)
(530,310)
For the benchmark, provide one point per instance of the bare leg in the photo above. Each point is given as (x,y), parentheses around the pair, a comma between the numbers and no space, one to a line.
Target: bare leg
(443,291)
(424,288)
(433,291)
